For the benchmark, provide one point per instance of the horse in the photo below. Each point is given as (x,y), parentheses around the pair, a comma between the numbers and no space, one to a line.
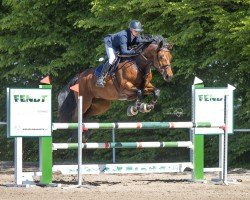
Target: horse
(131,81)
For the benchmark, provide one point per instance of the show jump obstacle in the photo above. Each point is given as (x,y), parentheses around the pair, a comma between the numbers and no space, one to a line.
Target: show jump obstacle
(29,115)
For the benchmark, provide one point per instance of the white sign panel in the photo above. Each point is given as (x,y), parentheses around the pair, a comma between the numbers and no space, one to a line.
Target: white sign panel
(210,107)
(29,112)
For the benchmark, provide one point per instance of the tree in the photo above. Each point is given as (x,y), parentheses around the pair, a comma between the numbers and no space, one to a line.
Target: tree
(61,38)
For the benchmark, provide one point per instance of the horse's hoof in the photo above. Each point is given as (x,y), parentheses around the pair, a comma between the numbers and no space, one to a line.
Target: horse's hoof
(144,108)
(86,135)
(69,140)
(131,111)
(84,140)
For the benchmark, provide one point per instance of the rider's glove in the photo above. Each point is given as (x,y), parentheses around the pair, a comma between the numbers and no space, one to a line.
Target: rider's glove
(138,51)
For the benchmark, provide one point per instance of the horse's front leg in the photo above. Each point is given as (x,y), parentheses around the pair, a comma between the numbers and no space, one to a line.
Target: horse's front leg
(133,110)
(156,93)
(148,90)
(139,98)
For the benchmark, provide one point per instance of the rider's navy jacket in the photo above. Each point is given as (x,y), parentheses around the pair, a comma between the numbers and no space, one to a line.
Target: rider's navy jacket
(121,41)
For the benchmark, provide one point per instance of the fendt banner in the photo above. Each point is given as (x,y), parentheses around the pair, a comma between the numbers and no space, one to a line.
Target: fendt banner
(211,105)
(28,112)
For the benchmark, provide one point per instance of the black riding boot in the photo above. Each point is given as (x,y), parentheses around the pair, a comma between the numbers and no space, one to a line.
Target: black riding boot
(100,81)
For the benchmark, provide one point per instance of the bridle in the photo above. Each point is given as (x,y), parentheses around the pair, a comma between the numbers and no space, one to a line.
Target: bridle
(159,67)
(150,63)
(163,67)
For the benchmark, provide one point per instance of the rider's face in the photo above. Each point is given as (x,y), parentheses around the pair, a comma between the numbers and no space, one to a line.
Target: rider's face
(134,32)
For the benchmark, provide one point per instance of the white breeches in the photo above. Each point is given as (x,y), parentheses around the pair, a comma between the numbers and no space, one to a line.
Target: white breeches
(111,54)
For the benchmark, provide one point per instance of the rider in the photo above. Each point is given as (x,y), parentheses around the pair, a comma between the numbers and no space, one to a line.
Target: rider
(120,42)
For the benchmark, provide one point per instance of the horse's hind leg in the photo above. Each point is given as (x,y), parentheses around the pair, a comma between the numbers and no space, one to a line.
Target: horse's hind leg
(87,102)
(91,108)
(97,107)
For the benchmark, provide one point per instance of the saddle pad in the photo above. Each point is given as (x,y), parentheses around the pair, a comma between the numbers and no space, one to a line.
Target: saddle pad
(98,70)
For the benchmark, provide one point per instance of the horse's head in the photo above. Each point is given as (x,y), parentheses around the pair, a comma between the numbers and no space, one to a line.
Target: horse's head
(160,57)
(162,61)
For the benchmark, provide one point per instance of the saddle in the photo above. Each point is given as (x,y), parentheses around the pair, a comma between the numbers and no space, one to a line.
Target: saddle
(119,58)
(112,69)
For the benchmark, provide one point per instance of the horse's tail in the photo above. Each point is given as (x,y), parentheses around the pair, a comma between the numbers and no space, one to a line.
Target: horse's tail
(67,102)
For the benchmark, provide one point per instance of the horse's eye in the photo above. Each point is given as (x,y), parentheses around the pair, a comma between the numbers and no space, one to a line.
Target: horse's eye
(160,57)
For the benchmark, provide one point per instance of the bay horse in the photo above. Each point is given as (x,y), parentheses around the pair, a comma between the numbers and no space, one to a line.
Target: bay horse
(131,81)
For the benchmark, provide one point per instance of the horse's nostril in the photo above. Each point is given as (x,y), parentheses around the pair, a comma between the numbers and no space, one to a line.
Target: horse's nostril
(168,78)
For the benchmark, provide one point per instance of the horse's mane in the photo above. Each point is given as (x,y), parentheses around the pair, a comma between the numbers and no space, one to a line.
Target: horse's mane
(155,39)
(146,40)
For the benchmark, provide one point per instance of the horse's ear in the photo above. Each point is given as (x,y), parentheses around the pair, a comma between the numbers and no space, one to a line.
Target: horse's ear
(160,45)
(170,46)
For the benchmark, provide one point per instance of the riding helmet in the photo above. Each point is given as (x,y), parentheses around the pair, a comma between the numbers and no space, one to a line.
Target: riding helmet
(136,25)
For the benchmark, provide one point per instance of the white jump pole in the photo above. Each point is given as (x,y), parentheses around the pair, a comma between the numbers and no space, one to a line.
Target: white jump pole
(113,150)
(225,142)
(223,146)
(79,176)
(18,154)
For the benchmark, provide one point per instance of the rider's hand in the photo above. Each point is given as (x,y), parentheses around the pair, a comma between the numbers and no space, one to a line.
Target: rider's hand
(138,51)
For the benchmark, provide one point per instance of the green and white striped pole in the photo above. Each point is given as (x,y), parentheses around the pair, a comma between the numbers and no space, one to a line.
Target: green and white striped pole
(137,125)
(110,145)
